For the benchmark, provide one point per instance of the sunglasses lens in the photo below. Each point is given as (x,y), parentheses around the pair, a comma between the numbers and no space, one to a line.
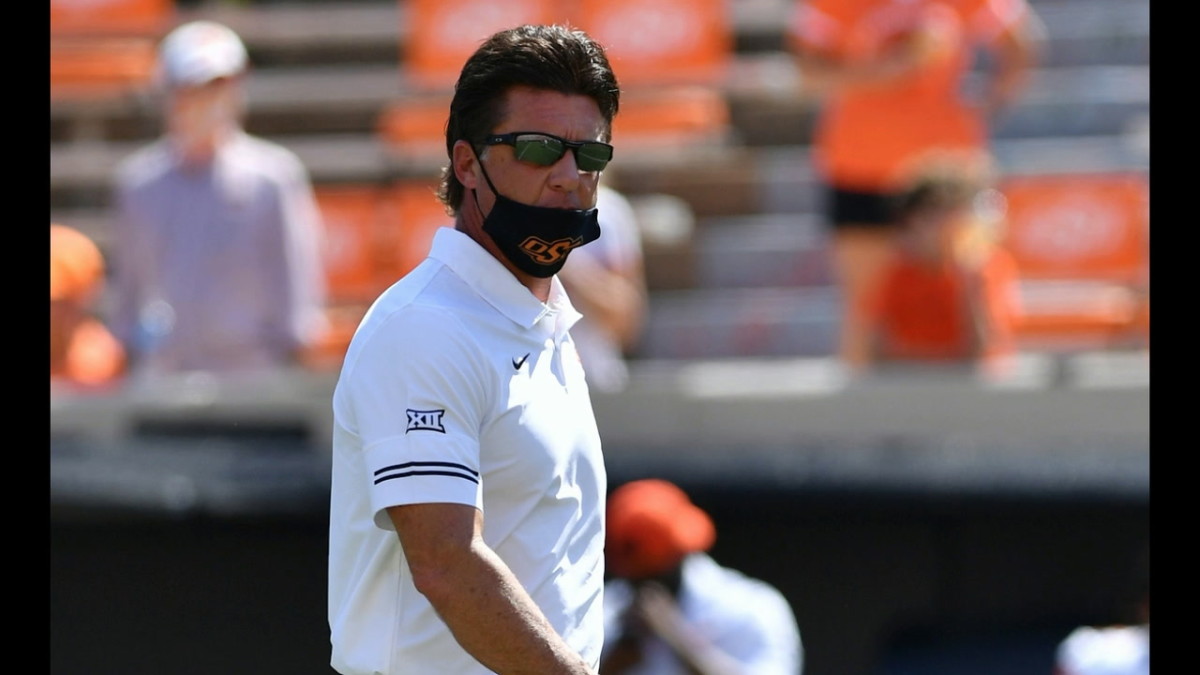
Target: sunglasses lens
(593,156)
(545,150)
(539,150)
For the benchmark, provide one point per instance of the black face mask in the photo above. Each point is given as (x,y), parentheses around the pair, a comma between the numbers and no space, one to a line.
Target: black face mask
(536,239)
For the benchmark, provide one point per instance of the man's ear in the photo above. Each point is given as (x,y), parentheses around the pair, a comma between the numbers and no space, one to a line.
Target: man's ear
(465,164)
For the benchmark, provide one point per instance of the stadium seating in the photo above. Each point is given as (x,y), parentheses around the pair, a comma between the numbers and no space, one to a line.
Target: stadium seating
(104,50)
(374,234)
(353,217)
(1081,241)
(673,72)
(656,42)
(354,88)
(443,33)
(440,35)
(412,129)
(110,17)
(99,67)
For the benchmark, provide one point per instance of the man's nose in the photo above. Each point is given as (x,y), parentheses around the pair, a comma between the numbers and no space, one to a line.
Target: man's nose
(564,174)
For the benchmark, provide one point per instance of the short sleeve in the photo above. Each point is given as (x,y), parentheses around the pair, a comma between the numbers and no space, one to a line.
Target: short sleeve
(415,392)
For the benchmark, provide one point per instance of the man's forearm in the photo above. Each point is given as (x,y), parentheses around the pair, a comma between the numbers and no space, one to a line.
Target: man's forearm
(496,621)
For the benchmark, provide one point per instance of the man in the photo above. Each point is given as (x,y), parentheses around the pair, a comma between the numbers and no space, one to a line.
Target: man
(466,518)
(670,609)
(216,238)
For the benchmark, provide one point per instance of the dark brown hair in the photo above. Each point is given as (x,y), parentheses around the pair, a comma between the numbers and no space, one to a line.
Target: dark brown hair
(944,181)
(937,191)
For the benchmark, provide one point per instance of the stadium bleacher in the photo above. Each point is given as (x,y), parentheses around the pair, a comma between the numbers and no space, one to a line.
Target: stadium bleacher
(326,73)
(736,254)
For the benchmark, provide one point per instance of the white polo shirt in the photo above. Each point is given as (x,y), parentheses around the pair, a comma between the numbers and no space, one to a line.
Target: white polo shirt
(460,386)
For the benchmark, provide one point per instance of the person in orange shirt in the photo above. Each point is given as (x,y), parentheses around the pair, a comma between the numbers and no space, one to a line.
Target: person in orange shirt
(892,80)
(949,292)
(82,350)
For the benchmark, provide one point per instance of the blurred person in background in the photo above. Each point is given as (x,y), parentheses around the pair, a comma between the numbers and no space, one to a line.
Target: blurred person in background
(83,352)
(671,609)
(216,246)
(467,500)
(607,283)
(1121,648)
(948,292)
(893,80)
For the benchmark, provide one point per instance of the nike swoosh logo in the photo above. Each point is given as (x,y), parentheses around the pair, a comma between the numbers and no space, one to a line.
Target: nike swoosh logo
(517,364)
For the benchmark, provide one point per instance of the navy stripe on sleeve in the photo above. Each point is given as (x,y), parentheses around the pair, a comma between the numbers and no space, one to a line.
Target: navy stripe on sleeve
(426,469)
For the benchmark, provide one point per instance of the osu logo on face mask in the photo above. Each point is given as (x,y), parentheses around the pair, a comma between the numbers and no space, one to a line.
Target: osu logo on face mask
(548,253)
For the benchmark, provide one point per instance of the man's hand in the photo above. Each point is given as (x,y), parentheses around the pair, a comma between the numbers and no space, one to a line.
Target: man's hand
(658,609)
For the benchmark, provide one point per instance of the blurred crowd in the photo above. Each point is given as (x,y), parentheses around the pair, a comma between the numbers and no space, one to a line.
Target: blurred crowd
(214,255)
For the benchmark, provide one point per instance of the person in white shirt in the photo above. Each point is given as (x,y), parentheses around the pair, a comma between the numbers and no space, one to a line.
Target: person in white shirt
(217,235)
(607,282)
(671,609)
(466,528)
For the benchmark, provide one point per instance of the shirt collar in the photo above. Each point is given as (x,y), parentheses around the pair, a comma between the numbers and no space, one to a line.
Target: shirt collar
(493,282)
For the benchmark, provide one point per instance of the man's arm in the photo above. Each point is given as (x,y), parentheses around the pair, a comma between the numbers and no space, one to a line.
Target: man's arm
(476,595)
(130,262)
(1017,52)
(824,69)
(302,282)
(823,72)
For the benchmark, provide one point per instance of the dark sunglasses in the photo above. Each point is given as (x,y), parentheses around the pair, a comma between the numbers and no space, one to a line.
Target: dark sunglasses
(545,149)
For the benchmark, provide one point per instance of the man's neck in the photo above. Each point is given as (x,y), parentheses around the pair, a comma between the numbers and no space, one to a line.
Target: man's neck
(540,287)
(201,152)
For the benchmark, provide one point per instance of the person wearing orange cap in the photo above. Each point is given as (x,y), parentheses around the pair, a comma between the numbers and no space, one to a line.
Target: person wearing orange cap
(670,608)
(82,350)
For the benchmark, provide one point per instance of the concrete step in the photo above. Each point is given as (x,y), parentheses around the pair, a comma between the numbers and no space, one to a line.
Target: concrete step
(788,184)
(1080,32)
(763,250)
(1078,101)
(738,322)
(1087,32)
(328,67)
(324,31)
(716,183)
(331,158)
(764,96)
